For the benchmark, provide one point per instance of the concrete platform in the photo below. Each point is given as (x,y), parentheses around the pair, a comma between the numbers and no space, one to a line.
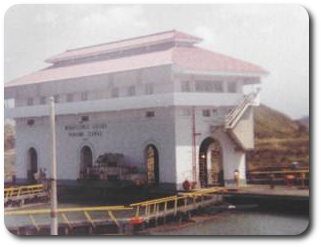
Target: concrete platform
(264,191)
(284,199)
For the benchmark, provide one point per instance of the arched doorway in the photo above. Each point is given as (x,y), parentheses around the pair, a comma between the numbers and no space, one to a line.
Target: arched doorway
(32,165)
(151,154)
(86,160)
(210,163)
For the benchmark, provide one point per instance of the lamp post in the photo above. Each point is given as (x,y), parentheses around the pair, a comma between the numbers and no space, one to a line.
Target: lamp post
(53,213)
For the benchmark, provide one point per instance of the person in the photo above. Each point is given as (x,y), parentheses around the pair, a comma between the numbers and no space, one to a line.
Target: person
(221,178)
(295,165)
(44,179)
(271,180)
(37,175)
(237,178)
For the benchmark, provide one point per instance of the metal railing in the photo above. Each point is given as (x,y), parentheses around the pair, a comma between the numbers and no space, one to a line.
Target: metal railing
(173,204)
(287,175)
(23,190)
(233,116)
(64,214)
(136,213)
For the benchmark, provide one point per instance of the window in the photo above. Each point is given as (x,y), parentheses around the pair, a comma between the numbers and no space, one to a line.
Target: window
(43,100)
(231,87)
(218,86)
(30,101)
(56,98)
(215,111)
(70,97)
(204,86)
(84,96)
(186,86)
(149,88)
(30,122)
(131,90)
(209,86)
(199,86)
(206,113)
(8,103)
(115,93)
(150,114)
(84,119)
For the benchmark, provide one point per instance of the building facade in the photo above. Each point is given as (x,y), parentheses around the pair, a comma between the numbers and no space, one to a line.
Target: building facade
(175,111)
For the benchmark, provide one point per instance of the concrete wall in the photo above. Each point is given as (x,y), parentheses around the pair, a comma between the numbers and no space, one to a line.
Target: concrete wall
(232,159)
(126,132)
(129,132)
(244,129)
(38,137)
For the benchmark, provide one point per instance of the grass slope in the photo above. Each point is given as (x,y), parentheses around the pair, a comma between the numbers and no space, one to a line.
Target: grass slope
(279,140)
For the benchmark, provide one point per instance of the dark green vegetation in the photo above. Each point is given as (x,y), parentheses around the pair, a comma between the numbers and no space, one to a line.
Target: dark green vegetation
(9,154)
(9,137)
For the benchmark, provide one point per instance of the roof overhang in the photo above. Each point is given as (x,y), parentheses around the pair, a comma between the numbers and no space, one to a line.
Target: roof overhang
(179,70)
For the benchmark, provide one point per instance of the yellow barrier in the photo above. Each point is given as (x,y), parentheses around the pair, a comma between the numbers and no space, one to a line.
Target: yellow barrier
(64,211)
(279,172)
(287,176)
(152,207)
(156,207)
(23,190)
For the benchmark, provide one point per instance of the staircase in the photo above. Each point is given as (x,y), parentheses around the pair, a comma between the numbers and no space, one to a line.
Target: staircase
(233,119)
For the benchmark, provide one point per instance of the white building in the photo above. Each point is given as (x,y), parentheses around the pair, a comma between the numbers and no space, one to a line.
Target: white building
(158,97)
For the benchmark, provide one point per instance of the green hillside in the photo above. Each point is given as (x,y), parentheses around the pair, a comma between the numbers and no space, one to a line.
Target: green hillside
(305,121)
(9,136)
(9,154)
(279,140)
(270,123)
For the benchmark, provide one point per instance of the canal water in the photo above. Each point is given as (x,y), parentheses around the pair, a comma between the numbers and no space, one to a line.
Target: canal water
(253,221)
(244,223)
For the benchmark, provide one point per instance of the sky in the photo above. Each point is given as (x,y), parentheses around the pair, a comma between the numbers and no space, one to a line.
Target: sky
(276,37)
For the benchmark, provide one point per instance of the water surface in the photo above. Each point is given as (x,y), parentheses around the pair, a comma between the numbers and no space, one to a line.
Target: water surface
(256,221)
(245,223)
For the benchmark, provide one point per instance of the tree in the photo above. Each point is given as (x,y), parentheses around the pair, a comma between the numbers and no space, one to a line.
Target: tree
(9,137)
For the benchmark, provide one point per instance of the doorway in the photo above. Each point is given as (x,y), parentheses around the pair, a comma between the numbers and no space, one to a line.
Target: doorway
(210,163)
(86,159)
(152,161)
(32,165)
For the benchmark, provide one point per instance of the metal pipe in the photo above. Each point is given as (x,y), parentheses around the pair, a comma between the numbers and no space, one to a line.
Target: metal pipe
(194,145)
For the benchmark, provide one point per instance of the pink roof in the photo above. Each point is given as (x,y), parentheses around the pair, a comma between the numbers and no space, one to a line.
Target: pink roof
(200,59)
(186,57)
(136,42)
(96,68)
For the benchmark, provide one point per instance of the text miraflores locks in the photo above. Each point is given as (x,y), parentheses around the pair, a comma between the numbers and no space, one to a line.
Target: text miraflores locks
(86,130)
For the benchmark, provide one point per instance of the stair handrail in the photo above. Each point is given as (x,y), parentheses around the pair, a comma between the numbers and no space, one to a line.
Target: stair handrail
(238,110)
